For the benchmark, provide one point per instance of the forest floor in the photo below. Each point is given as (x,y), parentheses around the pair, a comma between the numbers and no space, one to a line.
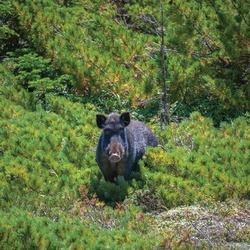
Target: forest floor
(223,225)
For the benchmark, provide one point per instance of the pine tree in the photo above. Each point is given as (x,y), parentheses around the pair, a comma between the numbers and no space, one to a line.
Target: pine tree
(112,50)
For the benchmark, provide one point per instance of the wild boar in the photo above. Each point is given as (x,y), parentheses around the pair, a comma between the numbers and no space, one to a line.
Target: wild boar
(121,144)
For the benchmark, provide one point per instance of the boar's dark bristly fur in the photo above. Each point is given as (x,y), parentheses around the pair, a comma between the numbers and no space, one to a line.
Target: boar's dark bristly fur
(121,144)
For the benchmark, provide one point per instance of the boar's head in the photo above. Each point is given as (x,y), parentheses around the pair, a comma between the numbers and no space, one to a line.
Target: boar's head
(114,138)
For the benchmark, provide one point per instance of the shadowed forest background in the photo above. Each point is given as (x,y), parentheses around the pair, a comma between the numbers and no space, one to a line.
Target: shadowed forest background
(61,62)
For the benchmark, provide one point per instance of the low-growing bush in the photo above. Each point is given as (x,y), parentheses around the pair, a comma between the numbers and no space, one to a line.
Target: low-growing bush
(54,196)
(200,161)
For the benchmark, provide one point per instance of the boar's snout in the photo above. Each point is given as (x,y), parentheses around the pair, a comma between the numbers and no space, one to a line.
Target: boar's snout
(114,157)
(115,152)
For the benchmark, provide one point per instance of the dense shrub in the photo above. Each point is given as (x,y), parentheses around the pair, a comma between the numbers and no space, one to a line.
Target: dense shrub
(200,161)
(54,196)
(110,52)
(44,154)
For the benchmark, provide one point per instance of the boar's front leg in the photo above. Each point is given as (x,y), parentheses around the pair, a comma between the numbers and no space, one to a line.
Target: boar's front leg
(128,169)
(109,174)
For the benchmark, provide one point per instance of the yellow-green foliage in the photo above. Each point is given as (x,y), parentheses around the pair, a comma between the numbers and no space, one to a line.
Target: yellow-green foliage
(53,196)
(111,49)
(44,153)
(200,161)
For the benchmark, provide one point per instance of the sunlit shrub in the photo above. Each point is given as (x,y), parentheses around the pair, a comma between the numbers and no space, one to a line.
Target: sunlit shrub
(201,161)
(53,195)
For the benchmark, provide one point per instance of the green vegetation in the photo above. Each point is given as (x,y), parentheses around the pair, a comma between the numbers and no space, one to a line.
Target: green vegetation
(64,61)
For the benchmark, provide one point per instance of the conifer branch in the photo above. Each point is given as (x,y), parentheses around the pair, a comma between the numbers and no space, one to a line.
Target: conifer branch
(166,97)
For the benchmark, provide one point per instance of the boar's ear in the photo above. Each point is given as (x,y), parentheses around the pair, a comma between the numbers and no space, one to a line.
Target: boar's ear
(100,120)
(125,118)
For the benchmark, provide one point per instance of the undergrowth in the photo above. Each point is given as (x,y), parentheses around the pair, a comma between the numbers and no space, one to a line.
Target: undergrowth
(53,196)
